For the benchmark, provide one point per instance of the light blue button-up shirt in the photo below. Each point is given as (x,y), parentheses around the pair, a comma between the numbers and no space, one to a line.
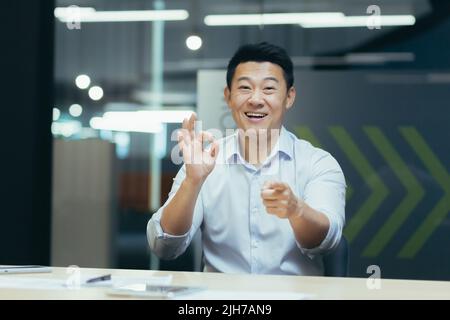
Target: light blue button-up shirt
(238,235)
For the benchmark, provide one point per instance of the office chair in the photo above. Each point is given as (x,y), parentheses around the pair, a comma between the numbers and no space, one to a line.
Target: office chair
(336,262)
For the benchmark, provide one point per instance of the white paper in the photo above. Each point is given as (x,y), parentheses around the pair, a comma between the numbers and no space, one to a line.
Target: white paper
(31,283)
(120,281)
(244,295)
(67,283)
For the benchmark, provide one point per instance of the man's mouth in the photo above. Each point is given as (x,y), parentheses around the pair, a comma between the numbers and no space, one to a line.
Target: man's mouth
(255,115)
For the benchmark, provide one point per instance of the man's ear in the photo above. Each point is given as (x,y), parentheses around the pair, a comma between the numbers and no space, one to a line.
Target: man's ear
(290,97)
(226,95)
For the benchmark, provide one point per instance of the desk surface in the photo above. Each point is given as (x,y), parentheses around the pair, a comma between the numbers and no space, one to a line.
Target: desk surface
(320,287)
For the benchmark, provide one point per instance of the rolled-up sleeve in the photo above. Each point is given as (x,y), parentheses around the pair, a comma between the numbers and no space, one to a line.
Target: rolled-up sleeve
(325,192)
(167,246)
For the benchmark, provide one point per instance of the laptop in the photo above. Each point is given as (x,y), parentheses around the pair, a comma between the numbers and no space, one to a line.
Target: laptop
(24,269)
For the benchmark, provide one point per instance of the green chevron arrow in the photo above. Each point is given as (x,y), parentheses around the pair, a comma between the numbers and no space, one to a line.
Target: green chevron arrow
(414,192)
(441,209)
(362,165)
(305,133)
(349,192)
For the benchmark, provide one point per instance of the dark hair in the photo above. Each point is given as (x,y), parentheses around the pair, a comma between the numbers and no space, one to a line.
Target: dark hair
(262,52)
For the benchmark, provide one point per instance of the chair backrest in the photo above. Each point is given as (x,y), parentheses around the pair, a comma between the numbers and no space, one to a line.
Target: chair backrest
(336,262)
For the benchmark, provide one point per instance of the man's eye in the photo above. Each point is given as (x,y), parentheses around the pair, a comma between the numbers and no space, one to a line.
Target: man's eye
(244,87)
(269,88)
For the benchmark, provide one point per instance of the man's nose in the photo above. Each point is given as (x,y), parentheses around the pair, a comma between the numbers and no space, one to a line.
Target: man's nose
(256,99)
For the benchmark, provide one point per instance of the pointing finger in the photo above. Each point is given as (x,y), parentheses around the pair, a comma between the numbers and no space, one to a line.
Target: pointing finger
(271,194)
(281,186)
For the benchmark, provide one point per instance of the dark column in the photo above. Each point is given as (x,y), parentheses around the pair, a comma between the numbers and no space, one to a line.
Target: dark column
(26,84)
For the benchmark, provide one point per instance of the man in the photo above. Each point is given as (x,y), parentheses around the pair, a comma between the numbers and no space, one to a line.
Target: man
(265,201)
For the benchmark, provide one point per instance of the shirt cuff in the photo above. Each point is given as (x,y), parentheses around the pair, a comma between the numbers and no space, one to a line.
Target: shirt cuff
(331,239)
(164,244)
(160,234)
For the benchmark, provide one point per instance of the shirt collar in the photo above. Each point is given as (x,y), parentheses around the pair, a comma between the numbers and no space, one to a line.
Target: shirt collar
(284,145)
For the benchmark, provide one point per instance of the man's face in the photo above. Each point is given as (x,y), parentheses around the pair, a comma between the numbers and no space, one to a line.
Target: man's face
(258,97)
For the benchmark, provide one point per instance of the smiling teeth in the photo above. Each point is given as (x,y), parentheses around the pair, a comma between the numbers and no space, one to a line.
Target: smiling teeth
(252,114)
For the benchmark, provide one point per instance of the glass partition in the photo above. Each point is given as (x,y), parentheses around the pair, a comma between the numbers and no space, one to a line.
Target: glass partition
(372,89)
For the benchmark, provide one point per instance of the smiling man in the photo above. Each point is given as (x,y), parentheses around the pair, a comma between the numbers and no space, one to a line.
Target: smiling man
(265,201)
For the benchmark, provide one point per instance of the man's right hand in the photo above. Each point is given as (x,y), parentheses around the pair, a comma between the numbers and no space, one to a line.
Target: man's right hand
(199,162)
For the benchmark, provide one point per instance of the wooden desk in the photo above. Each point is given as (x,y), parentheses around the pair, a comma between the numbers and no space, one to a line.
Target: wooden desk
(320,287)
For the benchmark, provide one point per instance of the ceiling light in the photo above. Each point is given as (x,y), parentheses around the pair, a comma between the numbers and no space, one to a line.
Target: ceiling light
(309,19)
(100,123)
(268,18)
(67,128)
(361,21)
(148,121)
(75,110)
(91,15)
(95,93)
(56,114)
(70,11)
(82,81)
(194,42)
(160,116)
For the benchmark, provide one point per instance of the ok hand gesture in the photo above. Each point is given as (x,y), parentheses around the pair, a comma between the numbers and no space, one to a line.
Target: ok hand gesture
(199,162)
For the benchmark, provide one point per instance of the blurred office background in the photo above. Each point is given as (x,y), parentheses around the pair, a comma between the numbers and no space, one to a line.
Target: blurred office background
(94,89)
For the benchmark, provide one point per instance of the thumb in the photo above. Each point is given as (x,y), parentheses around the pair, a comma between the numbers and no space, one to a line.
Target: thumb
(214,150)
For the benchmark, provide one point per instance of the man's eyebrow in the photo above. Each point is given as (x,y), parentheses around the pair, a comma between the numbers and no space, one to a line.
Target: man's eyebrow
(266,78)
(271,78)
(243,78)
